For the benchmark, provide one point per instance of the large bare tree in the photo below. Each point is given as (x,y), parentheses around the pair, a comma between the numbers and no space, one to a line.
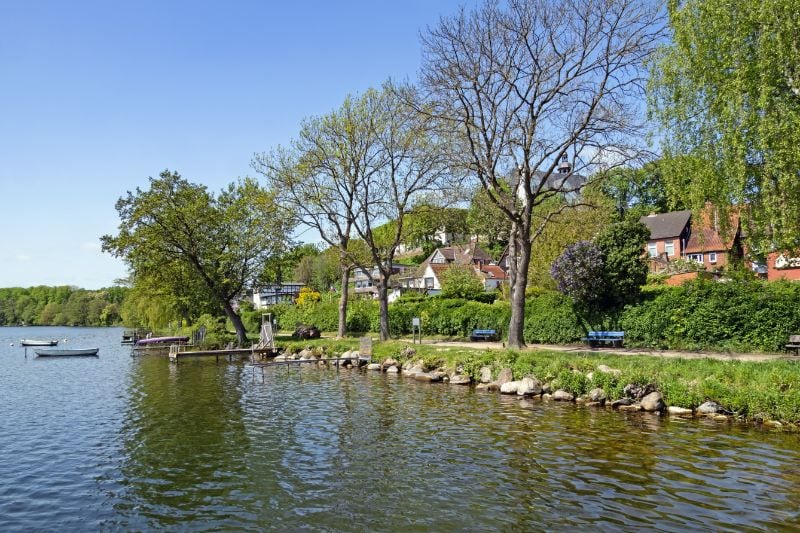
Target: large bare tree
(413,171)
(534,85)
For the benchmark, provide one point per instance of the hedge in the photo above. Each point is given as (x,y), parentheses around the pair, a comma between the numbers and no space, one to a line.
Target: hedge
(736,316)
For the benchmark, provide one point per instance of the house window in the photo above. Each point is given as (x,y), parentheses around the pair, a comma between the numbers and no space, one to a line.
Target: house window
(712,257)
(697,258)
(428,283)
(652,251)
(669,247)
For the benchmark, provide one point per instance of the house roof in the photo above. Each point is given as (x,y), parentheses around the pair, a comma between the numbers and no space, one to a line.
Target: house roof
(493,272)
(666,225)
(466,254)
(706,236)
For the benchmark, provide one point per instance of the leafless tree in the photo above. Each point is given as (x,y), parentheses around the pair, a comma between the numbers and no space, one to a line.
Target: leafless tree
(413,171)
(533,85)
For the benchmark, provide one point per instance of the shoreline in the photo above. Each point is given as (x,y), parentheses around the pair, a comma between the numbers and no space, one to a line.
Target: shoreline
(755,389)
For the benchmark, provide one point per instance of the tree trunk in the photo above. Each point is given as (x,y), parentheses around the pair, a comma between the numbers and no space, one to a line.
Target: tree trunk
(340,333)
(519,260)
(236,320)
(383,302)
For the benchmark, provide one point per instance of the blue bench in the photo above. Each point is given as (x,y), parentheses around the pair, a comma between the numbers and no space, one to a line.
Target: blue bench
(483,335)
(602,338)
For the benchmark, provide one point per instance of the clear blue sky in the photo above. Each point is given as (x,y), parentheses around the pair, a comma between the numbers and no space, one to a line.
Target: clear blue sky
(95,97)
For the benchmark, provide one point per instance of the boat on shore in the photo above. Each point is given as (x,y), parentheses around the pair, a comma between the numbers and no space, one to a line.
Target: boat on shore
(75,352)
(33,342)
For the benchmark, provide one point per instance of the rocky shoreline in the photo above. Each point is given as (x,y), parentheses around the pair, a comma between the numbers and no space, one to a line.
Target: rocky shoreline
(637,397)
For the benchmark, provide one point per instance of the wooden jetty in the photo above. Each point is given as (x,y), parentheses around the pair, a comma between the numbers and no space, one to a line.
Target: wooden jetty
(264,348)
(177,352)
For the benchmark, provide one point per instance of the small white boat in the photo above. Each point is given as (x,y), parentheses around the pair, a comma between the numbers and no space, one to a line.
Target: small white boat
(33,342)
(86,352)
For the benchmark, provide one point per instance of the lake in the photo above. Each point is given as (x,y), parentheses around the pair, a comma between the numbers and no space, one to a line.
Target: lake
(136,443)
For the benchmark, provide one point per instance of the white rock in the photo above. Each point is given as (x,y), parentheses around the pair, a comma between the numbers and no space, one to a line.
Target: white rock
(679,411)
(509,387)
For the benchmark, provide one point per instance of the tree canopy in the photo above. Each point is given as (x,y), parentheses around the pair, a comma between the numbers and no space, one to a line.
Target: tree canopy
(216,244)
(726,91)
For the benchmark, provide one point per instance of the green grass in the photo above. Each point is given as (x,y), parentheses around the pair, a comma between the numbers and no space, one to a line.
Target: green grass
(752,390)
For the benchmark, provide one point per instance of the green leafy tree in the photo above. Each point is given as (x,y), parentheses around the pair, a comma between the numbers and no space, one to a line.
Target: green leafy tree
(625,268)
(637,192)
(726,91)
(461,281)
(223,242)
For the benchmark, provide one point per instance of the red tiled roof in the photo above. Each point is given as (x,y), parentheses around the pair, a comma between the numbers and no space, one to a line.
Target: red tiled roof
(494,272)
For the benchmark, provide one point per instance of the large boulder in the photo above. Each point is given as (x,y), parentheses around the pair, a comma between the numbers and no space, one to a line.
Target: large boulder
(306,332)
(486,374)
(597,395)
(637,391)
(653,402)
(414,370)
(509,387)
(710,408)
(505,376)
(529,386)
(563,396)
(460,379)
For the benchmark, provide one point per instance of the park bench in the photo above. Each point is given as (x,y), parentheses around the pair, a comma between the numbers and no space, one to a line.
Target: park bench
(602,338)
(483,335)
(794,344)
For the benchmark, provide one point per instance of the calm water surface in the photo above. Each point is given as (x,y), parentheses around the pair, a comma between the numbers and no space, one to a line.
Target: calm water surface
(123,443)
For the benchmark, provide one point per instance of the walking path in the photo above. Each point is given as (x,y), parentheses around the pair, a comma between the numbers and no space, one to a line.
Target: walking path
(622,351)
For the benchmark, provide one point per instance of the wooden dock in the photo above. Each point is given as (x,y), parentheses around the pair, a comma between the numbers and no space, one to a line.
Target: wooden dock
(334,361)
(177,352)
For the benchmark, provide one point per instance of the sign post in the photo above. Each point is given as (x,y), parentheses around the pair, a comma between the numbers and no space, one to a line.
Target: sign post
(416,330)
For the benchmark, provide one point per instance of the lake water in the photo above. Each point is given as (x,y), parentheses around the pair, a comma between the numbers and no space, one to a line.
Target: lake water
(137,443)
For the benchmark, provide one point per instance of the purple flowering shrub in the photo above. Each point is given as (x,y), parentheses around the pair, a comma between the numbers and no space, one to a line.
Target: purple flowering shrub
(579,273)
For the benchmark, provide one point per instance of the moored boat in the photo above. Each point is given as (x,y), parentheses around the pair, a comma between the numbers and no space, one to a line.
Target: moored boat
(90,352)
(33,342)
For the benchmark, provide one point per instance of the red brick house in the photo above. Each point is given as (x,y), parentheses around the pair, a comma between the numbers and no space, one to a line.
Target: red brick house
(677,235)
(783,265)
(669,235)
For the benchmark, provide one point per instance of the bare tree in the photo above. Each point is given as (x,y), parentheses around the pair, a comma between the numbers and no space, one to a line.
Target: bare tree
(413,171)
(534,86)
(319,174)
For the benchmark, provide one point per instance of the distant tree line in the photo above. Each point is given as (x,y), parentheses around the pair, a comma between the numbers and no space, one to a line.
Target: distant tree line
(61,306)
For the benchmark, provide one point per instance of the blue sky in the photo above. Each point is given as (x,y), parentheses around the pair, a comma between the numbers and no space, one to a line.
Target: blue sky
(95,97)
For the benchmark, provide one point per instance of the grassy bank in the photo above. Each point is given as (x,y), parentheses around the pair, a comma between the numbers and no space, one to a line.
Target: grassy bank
(751,390)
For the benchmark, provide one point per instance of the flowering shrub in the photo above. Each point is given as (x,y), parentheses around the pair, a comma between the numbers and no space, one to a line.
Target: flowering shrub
(579,273)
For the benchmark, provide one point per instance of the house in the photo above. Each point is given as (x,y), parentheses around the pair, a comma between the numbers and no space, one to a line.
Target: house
(275,293)
(363,281)
(669,235)
(563,180)
(677,235)
(783,265)
(428,276)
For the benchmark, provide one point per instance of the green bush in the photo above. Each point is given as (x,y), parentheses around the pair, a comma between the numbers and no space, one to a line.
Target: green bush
(737,316)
